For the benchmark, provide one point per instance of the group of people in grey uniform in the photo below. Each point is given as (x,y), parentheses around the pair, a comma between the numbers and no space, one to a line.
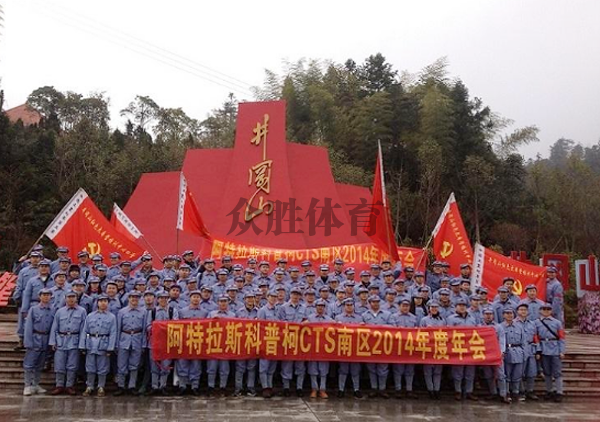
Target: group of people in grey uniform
(92,320)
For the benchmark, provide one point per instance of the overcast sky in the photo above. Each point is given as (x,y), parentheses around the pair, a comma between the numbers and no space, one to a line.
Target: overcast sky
(537,62)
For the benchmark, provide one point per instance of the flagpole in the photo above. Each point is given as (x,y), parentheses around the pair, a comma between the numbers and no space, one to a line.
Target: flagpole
(55,219)
(177,242)
(384,198)
(424,250)
(436,228)
(35,243)
(150,246)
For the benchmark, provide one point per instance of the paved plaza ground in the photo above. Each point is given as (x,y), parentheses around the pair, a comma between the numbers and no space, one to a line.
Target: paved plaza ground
(14,407)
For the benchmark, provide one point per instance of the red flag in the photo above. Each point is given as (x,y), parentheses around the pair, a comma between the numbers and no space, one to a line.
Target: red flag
(450,240)
(490,268)
(188,215)
(379,227)
(413,257)
(123,224)
(81,226)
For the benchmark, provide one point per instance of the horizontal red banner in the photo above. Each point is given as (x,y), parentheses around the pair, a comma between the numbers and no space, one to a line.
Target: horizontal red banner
(235,339)
(360,255)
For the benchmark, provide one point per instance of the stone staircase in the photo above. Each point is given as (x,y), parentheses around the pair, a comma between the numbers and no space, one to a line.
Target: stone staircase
(581,367)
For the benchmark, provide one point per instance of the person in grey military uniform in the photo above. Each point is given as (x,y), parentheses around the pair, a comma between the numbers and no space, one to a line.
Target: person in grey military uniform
(378,372)
(159,369)
(509,283)
(246,366)
(434,277)
(404,319)
(555,294)
(492,373)
(475,309)
(336,306)
(462,373)
(348,316)
(390,305)
(97,341)
(34,285)
(267,367)
(433,373)
(61,252)
(214,366)
(59,290)
(36,334)
(418,308)
(83,300)
(532,302)
(529,348)
(145,368)
(293,311)
(130,331)
(84,265)
(206,299)
(501,302)
(514,357)
(338,270)
(189,371)
(445,306)
(318,370)
(361,305)
(551,351)
(25,274)
(455,291)
(115,266)
(64,339)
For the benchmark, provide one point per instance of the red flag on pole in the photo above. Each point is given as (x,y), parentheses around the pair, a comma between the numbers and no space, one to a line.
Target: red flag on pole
(379,227)
(81,226)
(490,268)
(123,224)
(450,240)
(188,215)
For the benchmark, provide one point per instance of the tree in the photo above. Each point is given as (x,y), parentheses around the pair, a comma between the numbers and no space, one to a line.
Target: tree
(141,111)
(510,143)
(478,175)
(376,74)
(559,152)
(430,156)
(46,101)
(218,129)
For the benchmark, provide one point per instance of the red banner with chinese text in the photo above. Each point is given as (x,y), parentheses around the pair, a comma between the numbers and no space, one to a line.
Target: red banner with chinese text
(360,255)
(490,268)
(82,226)
(251,339)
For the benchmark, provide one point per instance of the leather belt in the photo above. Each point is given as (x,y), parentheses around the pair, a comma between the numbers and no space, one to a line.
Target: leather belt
(44,333)
(514,345)
(548,339)
(68,333)
(96,335)
(131,332)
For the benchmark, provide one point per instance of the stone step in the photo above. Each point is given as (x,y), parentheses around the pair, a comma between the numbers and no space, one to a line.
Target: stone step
(11,361)
(17,384)
(587,357)
(581,372)
(583,382)
(10,352)
(17,373)
(8,341)
(8,316)
(590,364)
